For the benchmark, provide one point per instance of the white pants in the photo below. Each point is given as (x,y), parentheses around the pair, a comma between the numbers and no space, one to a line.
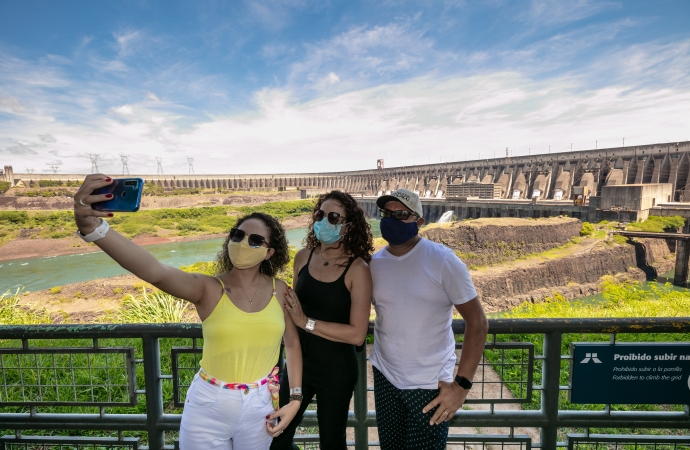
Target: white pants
(225,419)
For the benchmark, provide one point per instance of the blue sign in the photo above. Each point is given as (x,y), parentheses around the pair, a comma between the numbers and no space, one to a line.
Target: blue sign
(603,373)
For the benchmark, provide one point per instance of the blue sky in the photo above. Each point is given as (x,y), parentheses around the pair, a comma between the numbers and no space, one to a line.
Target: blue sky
(297,85)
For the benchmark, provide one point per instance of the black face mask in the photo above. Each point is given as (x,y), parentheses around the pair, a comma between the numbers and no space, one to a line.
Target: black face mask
(396,231)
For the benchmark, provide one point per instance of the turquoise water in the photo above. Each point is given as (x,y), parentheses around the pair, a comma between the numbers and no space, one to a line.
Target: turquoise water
(43,273)
(35,274)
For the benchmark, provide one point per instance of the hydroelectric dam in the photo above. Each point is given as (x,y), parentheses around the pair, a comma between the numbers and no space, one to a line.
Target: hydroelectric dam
(623,183)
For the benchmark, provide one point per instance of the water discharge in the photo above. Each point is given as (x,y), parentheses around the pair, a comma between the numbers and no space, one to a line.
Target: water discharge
(446,217)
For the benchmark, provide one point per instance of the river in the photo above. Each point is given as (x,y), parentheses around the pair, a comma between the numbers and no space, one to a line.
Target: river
(35,274)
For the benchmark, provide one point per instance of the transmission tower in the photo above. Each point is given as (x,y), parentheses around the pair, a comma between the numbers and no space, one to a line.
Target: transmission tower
(29,170)
(159,161)
(54,167)
(94,162)
(191,165)
(125,169)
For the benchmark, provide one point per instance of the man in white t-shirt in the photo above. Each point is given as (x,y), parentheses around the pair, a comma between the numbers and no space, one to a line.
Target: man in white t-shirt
(417,283)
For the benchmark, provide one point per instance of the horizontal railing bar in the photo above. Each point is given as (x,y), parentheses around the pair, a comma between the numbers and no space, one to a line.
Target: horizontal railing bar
(171,422)
(499,326)
(50,421)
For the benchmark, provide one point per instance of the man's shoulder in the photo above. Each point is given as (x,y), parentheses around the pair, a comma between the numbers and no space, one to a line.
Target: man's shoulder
(435,247)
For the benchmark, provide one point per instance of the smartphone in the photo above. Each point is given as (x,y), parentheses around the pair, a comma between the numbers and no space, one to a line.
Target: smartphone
(126,195)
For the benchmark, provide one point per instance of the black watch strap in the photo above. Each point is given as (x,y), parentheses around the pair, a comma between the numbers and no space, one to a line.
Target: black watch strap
(463,382)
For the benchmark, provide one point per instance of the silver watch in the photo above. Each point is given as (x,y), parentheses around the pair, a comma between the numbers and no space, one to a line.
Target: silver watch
(310,325)
(296,391)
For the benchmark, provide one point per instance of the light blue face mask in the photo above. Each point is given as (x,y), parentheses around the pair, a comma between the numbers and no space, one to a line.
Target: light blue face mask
(326,232)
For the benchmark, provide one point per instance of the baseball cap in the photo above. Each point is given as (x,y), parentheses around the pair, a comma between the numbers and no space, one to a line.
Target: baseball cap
(404,196)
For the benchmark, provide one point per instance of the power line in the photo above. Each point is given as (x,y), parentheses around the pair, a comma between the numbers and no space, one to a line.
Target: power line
(191,165)
(159,161)
(94,162)
(54,167)
(125,169)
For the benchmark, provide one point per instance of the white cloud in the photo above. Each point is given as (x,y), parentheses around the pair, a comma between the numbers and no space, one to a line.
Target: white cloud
(47,138)
(124,110)
(11,104)
(157,119)
(547,12)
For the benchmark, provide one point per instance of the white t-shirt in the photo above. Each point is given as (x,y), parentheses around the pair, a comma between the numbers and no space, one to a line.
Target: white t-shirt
(414,296)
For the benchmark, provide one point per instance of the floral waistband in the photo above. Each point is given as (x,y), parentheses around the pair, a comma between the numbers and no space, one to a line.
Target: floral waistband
(271,379)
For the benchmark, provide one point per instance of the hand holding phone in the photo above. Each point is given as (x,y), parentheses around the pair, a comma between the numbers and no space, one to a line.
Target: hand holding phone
(126,195)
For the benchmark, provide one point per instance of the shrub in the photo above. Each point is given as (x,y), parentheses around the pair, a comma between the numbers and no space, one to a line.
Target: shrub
(56,290)
(208,268)
(4,186)
(50,183)
(11,313)
(587,229)
(13,217)
(156,307)
(618,239)
(78,294)
(117,290)
(659,224)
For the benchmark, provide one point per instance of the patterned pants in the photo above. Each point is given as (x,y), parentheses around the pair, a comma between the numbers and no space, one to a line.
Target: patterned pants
(401,423)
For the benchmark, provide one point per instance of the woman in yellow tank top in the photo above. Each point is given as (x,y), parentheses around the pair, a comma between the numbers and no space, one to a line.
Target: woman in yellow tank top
(230,404)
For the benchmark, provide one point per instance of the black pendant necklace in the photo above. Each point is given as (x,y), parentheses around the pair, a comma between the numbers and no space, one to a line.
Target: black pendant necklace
(327,261)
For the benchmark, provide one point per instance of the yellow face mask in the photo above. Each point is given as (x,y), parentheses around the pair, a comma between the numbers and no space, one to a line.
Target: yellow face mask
(244,256)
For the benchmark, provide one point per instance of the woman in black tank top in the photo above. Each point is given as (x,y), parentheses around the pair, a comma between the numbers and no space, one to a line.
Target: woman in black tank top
(330,305)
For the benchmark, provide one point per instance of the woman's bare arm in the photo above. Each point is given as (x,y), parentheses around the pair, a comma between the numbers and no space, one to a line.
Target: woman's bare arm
(130,256)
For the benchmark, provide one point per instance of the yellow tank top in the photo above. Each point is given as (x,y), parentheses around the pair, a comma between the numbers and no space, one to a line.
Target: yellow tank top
(242,347)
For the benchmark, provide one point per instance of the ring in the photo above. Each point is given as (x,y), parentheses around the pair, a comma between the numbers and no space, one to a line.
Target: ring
(445,412)
(81,202)
(292,304)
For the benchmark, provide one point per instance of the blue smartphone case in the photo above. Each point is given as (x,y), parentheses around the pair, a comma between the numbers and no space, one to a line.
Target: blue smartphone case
(126,195)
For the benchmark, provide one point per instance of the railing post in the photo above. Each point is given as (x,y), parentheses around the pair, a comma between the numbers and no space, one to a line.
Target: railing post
(550,380)
(361,407)
(154,391)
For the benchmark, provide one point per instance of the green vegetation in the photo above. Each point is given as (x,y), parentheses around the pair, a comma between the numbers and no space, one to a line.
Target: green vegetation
(50,183)
(208,268)
(658,224)
(46,193)
(11,313)
(180,222)
(154,307)
(4,186)
(56,290)
(587,229)
(621,299)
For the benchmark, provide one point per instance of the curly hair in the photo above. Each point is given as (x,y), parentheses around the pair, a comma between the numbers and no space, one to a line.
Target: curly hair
(276,241)
(358,242)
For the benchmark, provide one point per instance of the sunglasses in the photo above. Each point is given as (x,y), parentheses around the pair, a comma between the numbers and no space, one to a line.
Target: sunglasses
(333,217)
(255,240)
(400,214)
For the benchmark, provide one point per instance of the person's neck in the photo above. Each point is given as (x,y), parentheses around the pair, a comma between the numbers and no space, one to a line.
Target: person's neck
(332,250)
(404,248)
(246,277)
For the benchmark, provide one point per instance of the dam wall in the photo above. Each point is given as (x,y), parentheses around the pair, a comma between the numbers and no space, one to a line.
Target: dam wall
(549,176)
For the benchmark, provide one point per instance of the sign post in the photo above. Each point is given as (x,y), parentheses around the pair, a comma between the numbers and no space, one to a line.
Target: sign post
(622,373)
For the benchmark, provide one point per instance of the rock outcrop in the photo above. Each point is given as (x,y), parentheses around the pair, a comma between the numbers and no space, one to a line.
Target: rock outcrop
(493,241)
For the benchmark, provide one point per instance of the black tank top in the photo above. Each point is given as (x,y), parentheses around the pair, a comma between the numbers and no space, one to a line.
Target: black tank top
(329,302)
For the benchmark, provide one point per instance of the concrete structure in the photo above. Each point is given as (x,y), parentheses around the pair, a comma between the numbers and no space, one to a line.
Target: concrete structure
(478,190)
(548,178)
(635,197)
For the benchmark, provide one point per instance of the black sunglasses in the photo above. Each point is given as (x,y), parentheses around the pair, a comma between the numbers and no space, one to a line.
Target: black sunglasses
(400,214)
(255,240)
(333,217)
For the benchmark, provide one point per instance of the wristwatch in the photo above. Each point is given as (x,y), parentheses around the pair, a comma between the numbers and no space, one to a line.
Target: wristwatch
(98,233)
(463,382)
(309,327)
(297,390)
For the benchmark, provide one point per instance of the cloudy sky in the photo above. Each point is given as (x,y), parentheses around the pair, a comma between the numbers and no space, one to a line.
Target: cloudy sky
(263,86)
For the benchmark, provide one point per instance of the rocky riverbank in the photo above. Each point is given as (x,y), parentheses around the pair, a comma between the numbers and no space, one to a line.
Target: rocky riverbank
(573,268)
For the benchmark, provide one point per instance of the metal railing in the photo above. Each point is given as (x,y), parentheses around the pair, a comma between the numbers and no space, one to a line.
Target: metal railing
(80,386)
